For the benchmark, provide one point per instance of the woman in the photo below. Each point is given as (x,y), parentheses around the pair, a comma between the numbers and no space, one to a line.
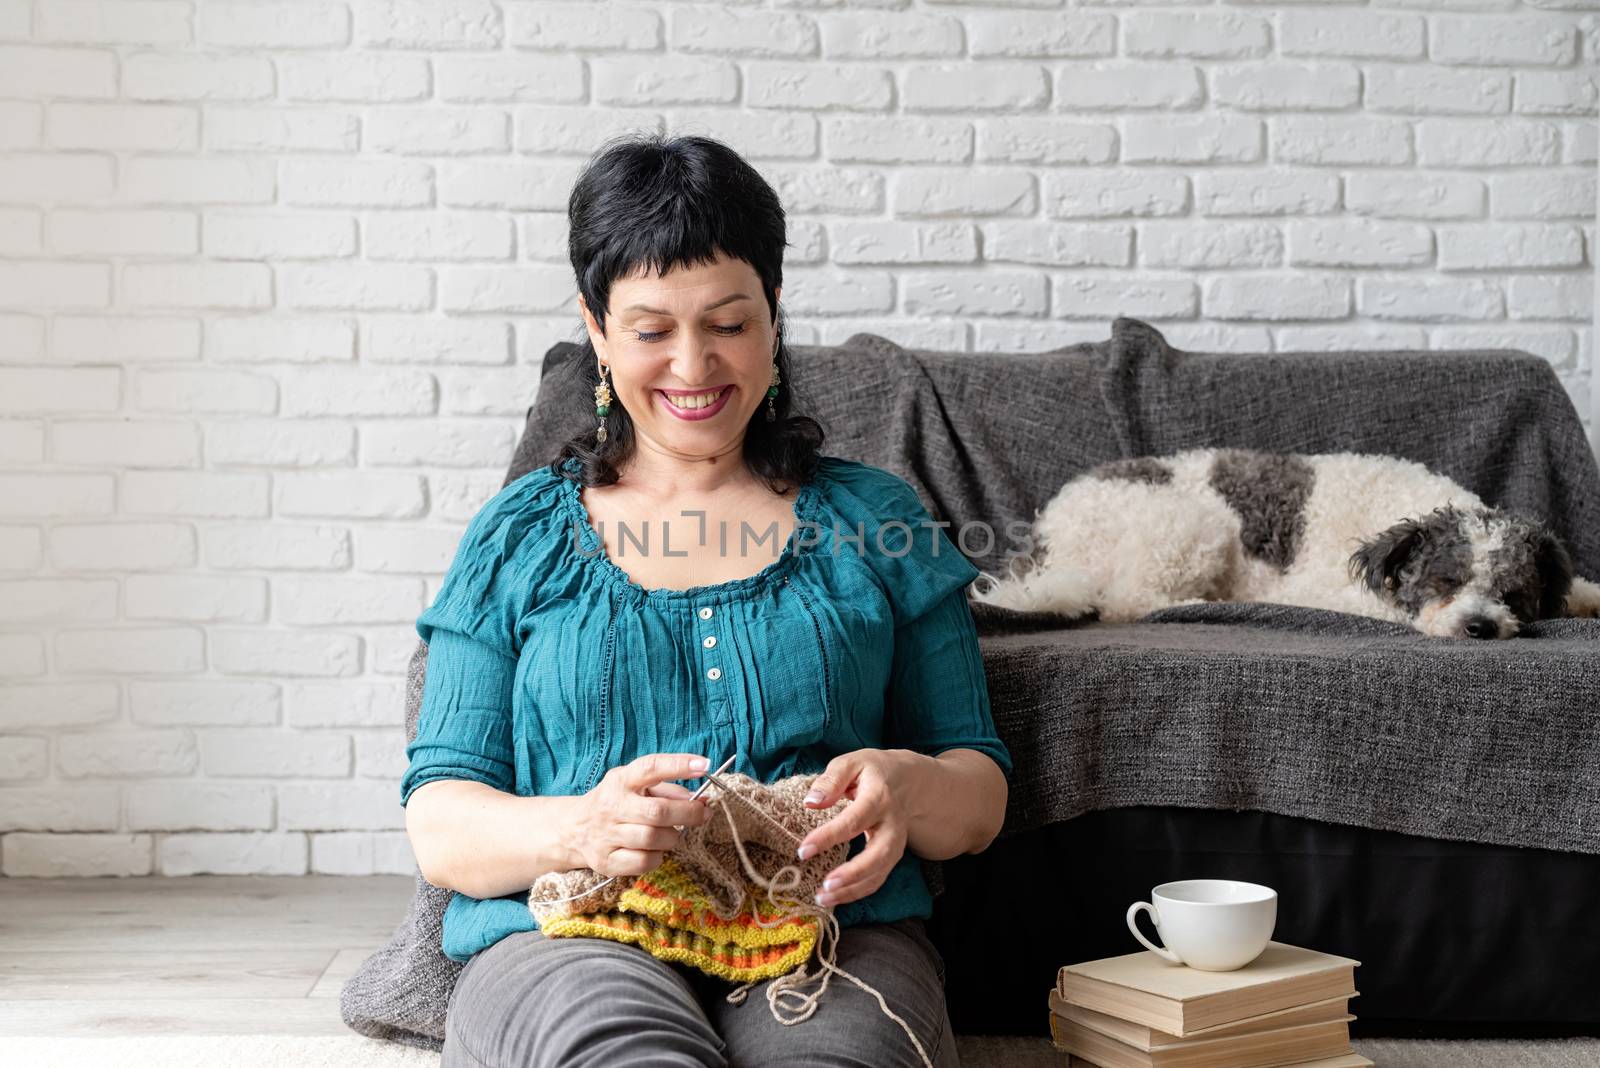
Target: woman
(574,676)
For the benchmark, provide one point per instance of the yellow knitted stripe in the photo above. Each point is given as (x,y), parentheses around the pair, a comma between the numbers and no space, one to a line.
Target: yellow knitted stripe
(666,913)
(735,964)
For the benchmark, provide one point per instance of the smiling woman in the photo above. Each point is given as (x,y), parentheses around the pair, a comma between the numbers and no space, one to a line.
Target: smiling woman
(677,247)
(735,348)
(571,686)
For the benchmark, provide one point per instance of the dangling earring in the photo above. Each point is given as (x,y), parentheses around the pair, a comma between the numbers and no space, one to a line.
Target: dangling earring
(602,404)
(772,390)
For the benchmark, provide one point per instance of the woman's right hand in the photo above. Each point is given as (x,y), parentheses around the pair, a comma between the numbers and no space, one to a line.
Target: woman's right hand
(631,818)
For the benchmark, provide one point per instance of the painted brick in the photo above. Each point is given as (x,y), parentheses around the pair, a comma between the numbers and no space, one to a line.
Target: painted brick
(277,278)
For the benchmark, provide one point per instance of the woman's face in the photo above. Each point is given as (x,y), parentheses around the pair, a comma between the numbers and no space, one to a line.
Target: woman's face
(690,354)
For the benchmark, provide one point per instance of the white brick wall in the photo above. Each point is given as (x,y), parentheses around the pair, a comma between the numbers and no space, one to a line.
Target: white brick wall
(275,279)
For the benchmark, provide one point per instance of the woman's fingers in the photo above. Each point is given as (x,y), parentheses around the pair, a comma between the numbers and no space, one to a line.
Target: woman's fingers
(837,780)
(863,873)
(648,839)
(670,789)
(627,862)
(653,768)
(863,812)
(654,811)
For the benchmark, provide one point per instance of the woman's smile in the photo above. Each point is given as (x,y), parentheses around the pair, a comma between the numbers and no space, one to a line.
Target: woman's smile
(695,405)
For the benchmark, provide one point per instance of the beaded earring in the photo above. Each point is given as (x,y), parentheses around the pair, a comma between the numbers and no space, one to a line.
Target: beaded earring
(772,390)
(602,404)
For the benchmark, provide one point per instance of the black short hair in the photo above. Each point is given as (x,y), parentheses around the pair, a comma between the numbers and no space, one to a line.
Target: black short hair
(647,201)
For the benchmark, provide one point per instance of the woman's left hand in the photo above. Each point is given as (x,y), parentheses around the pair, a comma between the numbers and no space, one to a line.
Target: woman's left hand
(879,783)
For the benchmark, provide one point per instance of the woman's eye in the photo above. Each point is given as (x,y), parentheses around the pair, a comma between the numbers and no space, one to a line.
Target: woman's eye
(725,331)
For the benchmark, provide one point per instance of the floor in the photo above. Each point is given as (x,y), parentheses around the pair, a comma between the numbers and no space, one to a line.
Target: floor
(205,954)
(246,970)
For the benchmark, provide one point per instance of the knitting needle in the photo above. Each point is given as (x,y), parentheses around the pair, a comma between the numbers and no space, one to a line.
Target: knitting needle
(710,777)
(692,797)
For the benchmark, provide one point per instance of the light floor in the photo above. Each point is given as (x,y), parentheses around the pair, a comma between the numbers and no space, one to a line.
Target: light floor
(204,954)
(142,970)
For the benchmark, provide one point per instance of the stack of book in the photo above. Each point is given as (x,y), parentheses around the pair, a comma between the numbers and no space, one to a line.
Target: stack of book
(1288,1006)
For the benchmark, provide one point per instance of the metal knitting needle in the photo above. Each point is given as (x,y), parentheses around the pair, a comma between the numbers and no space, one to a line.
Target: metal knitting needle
(710,777)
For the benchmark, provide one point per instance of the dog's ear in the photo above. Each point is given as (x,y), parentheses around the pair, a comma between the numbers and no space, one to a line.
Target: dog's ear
(1554,565)
(1377,563)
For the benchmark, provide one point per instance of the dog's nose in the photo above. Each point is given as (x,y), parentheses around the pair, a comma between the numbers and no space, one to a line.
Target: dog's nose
(1482,627)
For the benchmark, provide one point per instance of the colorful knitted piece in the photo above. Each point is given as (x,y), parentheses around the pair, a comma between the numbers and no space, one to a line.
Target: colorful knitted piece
(702,906)
(666,912)
(732,899)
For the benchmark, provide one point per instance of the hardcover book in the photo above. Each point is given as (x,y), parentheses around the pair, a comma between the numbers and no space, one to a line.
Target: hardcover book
(1147,989)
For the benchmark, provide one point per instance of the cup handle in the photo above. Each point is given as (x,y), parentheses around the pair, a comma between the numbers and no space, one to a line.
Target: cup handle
(1155,918)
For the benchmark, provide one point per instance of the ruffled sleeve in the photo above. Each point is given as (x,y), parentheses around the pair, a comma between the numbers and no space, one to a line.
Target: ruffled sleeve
(938,695)
(506,550)
(464,723)
(881,517)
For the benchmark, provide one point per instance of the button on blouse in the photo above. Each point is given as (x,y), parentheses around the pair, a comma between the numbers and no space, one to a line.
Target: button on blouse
(548,664)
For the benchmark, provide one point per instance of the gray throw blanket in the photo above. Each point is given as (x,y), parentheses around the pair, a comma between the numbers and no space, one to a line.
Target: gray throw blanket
(1303,712)
(1282,709)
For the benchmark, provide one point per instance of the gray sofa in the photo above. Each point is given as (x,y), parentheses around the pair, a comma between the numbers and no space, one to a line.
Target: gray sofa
(1430,808)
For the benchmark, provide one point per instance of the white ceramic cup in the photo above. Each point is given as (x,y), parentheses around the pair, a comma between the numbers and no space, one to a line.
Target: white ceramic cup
(1215,925)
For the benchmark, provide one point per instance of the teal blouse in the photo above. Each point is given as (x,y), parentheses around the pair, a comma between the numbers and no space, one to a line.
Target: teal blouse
(548,665)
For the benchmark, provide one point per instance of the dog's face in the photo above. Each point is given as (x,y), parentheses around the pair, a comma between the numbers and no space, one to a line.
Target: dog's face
(1478,573)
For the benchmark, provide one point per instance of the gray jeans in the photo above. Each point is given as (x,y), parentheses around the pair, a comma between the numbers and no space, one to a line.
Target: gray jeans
(530,1002)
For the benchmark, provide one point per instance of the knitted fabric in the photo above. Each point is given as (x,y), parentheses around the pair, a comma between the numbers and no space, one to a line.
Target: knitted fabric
(701,906)
(667,912)
(731,899)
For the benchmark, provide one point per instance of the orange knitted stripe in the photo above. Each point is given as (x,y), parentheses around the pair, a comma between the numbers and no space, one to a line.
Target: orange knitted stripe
(683,908)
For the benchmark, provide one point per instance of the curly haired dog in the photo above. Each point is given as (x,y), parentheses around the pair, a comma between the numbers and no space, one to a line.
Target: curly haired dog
(1372,535)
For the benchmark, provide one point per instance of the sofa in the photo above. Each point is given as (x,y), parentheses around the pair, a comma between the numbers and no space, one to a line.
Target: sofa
(1428,807)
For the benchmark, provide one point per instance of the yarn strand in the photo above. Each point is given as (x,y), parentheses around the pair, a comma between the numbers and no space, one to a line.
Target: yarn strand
(739,891)
(827,939)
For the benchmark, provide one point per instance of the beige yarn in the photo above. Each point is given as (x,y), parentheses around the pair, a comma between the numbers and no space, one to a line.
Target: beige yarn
(749,851)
